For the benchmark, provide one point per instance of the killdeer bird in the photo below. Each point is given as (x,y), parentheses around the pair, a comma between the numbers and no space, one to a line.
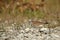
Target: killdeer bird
(37,24)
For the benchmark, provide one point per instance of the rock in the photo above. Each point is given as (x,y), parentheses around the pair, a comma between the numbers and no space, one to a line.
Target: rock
(22,31)
(44,30)
(13,25)
(31,29)
(55,35)
(27,29)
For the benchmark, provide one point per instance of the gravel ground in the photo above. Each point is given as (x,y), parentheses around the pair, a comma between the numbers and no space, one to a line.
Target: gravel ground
(26,32)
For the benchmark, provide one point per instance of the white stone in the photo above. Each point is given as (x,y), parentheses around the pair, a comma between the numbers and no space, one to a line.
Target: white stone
(22,31)
(12,24)
(45,30)
(55,35)
(27,29)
